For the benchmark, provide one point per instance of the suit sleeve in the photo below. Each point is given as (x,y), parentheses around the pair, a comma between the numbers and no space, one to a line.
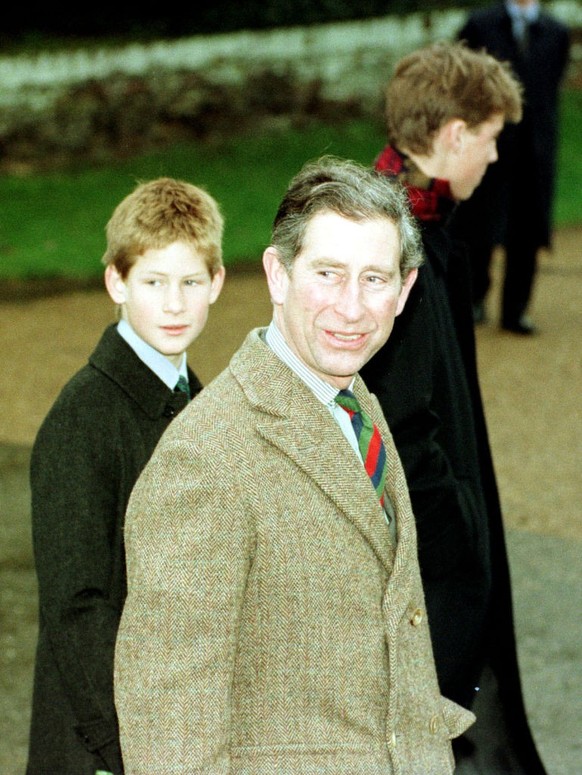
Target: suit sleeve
(74,486)
(189,548)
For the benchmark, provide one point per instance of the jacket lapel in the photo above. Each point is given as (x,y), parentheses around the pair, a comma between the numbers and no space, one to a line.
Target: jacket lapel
(297,424)
(396,485)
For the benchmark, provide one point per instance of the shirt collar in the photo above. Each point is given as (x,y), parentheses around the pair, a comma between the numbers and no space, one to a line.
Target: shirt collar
(322,390)
(152,358)
(530,12)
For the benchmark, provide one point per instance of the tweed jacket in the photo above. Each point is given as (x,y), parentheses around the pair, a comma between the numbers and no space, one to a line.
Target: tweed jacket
(86,457)
(271,626)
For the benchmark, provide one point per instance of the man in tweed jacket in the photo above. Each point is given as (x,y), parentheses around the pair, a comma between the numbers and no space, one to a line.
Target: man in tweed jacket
(275,620)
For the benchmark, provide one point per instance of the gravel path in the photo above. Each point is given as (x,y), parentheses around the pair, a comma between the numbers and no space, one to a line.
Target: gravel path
(532,389)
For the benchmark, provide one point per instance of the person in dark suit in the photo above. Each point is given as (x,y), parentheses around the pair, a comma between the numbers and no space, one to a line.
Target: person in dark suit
(163,270)
(426,380)
(275,618)
(513,206)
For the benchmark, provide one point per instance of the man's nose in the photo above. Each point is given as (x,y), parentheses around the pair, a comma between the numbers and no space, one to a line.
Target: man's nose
(350,303)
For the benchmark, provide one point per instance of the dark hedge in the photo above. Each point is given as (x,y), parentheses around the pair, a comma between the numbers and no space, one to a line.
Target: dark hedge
(149,19)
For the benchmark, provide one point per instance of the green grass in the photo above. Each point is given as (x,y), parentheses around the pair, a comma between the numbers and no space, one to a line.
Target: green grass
(568,205)
(53,224)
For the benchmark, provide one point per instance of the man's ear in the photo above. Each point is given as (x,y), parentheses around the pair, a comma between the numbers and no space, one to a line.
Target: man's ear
(115,284)
(405,290)
(216,284)
(453,134)
(277,275)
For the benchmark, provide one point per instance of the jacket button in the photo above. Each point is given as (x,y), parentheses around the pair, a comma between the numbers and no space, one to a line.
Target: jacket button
(416,618)
(434,725)
(391,742)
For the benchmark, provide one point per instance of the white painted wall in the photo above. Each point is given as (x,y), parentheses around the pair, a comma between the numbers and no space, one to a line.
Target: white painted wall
(349,58)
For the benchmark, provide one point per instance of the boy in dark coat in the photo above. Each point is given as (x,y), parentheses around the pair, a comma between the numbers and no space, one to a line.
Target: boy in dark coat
(446,106)
(163,270)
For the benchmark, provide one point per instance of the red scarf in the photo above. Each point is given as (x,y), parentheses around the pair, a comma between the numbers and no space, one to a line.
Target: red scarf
(430,198)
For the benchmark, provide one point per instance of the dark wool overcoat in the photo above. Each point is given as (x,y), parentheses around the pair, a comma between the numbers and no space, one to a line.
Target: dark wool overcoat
(425,378)
(86,458)
(523,179)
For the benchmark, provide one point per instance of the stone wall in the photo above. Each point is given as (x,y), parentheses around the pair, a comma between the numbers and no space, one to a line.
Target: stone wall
(58,108)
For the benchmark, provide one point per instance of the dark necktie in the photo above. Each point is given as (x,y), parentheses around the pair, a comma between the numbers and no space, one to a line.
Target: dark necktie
(370,442)
(182,386)
(521,33)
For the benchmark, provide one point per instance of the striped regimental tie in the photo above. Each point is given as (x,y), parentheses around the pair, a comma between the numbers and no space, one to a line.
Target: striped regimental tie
(370,442)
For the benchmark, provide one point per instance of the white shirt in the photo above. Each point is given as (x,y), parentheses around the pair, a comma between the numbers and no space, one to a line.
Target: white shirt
(521,15)
(322,390)
(325,393)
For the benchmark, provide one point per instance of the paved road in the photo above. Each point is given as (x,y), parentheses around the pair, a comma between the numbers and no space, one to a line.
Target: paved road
(532,392)
(547,583)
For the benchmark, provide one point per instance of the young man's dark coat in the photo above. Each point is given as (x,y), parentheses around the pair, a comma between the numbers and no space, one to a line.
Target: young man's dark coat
(425,378)
(86,458)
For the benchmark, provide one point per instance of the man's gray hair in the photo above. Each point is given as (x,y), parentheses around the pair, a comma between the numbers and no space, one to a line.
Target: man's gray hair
(341,186)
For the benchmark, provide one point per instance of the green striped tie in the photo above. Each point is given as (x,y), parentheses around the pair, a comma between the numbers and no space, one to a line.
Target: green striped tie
(369,441)
(182,386)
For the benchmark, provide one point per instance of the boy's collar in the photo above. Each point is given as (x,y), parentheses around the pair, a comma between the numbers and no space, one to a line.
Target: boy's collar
(152,358)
